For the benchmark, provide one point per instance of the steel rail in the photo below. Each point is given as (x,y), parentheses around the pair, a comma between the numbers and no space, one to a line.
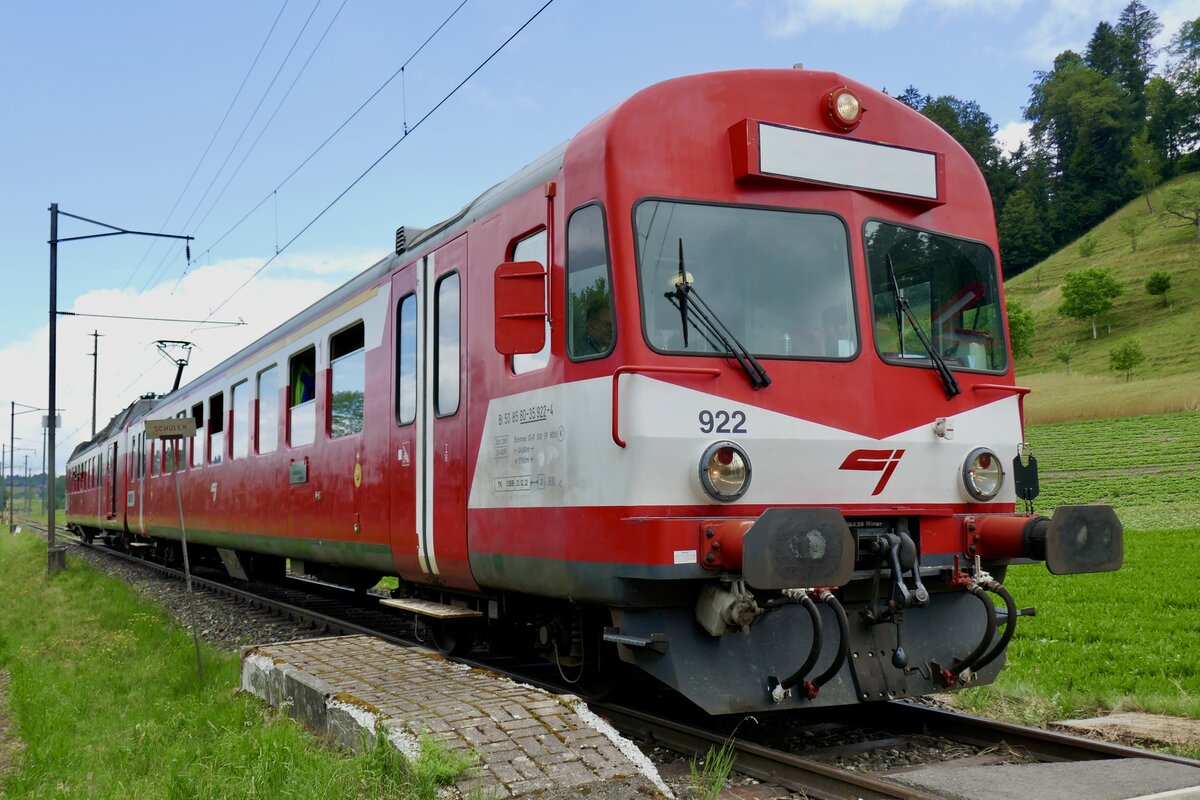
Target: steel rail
(1046,745)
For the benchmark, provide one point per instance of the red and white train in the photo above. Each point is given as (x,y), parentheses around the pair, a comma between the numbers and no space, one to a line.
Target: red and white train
(754,429)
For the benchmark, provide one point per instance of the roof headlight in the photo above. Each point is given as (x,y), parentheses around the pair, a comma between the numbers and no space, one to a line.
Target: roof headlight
(725,471)
(844,108)
(982,474)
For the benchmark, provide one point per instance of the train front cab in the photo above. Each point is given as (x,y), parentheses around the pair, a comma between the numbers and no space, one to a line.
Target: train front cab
(816,443)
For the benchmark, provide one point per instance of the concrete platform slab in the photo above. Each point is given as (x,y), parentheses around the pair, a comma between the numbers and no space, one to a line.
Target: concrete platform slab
(1135,728)
(1111,779)
(530,743)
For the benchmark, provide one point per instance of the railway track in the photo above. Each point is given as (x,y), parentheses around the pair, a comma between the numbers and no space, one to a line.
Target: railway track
(813,772)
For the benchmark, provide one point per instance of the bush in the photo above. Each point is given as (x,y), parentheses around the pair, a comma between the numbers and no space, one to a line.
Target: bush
(1125,356)
(1159,283)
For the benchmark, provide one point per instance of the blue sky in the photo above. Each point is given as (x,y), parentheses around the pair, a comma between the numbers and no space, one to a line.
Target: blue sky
(108,108)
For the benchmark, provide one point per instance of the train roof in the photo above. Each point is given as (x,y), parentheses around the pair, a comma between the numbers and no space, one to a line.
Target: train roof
(137,407)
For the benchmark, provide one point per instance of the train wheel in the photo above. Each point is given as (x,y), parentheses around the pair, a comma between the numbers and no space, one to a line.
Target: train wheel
(452,638)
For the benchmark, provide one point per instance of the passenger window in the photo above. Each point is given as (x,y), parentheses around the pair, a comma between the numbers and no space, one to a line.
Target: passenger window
(446,358)
(268,410)
(216,428)
(239,429)
(197,444)
(590,331)
(153,460)
(406,360)
(532,248)
(347,367)
(302,393)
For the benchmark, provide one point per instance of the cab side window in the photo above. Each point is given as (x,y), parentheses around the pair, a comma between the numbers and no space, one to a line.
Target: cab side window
(590,320)
(447,358)
(532,248)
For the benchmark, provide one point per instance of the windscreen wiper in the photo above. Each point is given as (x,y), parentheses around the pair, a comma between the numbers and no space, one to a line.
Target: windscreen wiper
(682,295)
(939,363)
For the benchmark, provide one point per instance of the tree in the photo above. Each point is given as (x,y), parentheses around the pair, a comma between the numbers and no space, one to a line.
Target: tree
(1125,357)
(1184,73)
(1021,329)
(1159,283)
(1133,228)
(1146,165)
(1087,246)
(1183,203)
(1167,122)
(1024,239)
(1063,352)
(1136,28)
(1087,294)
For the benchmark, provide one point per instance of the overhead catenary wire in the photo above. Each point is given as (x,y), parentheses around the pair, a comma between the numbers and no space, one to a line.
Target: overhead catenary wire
(253,114)
(384,155)
(214,323)
(399,71)
(212,139)
(372,166)
(265,126)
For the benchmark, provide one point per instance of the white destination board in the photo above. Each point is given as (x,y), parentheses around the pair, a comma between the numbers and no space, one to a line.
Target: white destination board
(795,153)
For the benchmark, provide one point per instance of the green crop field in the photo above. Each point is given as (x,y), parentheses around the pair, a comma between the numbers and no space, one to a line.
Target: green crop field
(1147,467)
(1125,640)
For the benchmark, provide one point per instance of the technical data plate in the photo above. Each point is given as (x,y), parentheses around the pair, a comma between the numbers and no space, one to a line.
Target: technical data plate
(428,608)
(871,648)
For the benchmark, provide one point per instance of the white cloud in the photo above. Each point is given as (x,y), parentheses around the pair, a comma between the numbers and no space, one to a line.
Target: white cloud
(798,15)
(1009,137)
(129,363)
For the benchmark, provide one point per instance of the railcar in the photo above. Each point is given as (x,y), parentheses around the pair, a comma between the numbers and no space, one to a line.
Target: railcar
(720,388)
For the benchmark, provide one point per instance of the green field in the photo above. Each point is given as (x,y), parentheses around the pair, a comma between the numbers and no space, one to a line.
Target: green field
(1147,467)
(105,701)
(1126,640)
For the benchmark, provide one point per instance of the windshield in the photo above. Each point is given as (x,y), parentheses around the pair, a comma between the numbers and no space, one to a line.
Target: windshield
(951,287)
(779,281)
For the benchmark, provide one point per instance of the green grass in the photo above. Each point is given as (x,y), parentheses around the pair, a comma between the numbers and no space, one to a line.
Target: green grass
(105,698)
(1170,335)
(1117,641)
(1125,640)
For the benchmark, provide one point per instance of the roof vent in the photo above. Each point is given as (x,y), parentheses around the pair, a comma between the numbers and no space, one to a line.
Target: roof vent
(405,235)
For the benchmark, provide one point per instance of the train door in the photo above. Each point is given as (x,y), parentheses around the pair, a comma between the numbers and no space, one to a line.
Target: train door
(110,476)
(429,429)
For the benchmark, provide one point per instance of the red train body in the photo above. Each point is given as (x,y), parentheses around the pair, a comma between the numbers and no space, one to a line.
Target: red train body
(735,455)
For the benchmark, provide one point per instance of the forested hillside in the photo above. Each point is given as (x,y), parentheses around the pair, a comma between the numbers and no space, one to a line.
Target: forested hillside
(1130,284)
(1107,125)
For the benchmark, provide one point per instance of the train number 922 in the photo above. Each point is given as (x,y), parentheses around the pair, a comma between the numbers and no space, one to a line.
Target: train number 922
(722,421)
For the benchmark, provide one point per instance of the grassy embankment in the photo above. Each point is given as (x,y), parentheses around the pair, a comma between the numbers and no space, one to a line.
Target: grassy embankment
(1169,380)
(105,699)
(1125,640)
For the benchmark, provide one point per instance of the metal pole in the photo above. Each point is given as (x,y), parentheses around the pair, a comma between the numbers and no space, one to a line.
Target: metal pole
(44,426)
(95,364)
(187,569)
(12,498)
(27,483)
(56,558)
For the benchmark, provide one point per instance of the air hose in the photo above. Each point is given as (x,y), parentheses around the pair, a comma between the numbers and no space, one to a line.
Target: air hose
(813,687)
(1010,623)
(950,676)
(814,652)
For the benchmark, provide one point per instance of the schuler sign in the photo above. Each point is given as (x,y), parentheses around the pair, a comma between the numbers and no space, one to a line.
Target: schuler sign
(173,428)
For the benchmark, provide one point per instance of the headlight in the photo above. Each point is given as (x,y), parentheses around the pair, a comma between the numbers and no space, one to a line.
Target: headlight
(725,471)
(982,474)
